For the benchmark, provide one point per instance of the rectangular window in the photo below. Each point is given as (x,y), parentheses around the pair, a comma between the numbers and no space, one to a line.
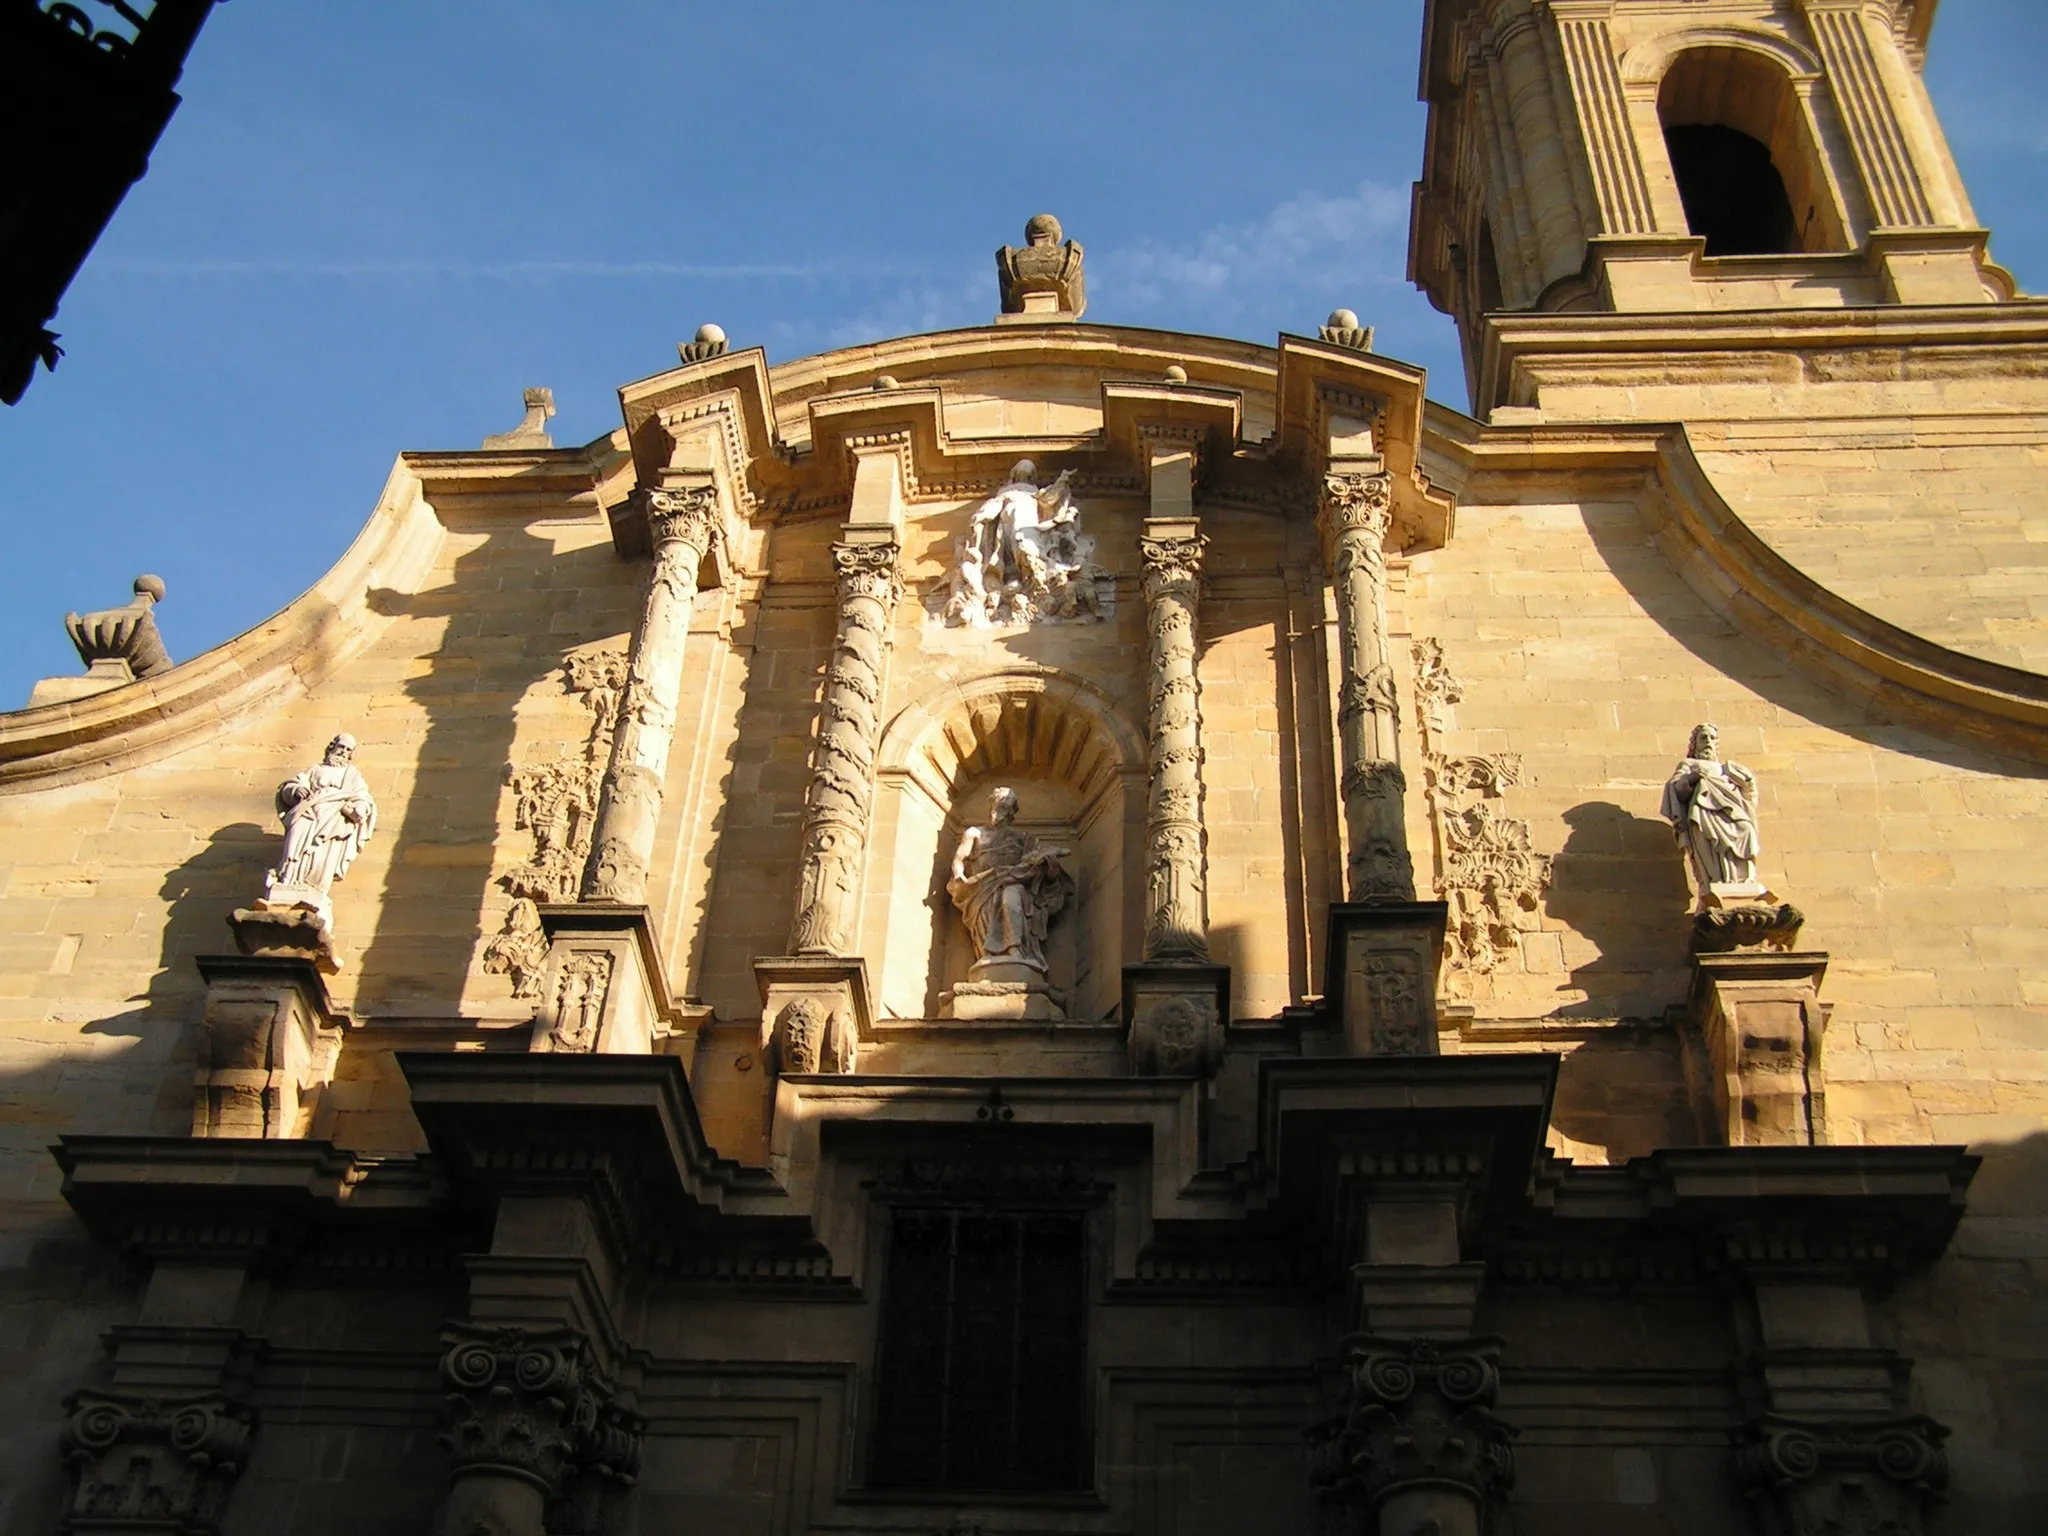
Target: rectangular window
(982,1352)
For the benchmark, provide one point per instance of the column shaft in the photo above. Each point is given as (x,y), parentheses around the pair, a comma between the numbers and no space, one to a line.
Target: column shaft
(1176,923)
(682,521)
(841,796)
(1358,510)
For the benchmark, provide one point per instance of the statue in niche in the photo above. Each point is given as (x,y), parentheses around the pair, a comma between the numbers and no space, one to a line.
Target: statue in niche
(1008,888)
(1711,805)
(328,815)
(1024,558)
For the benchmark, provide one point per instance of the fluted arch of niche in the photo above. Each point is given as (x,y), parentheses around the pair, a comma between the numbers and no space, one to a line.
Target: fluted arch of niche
(1071,751)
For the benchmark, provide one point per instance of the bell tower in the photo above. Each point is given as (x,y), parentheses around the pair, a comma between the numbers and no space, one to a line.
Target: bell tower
(1636,157)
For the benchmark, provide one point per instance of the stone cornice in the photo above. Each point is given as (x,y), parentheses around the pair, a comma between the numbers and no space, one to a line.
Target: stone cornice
(1730,567)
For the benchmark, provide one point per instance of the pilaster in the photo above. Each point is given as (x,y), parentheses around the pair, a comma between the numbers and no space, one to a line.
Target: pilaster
(1758,1025)
(268,1038)
(603,987)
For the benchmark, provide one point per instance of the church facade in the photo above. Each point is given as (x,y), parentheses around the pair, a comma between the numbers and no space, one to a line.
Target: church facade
(1058,928)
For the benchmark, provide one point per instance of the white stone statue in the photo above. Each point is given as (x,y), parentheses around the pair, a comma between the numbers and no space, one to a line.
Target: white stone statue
(1008,888)
(1024,557)
(1711,805)
(328,815)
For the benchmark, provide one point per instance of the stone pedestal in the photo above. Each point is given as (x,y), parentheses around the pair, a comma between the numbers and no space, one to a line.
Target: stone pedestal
(1176,1013)
(815,1011)
(603,989)
(268,1039)
(1757,1024)
(1381,986)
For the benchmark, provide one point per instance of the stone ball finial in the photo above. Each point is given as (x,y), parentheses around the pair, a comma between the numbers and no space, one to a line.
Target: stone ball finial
(713,334)
(710,342)
(1175,374)
(1342,329)
(151,587)
(1043,229)
(886,381)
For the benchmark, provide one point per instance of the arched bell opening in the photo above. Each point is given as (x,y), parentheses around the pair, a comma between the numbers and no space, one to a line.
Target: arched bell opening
(1078,772)
(1743,152)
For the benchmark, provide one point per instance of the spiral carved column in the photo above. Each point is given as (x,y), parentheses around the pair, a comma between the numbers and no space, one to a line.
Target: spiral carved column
(1175,921)
(682,521)
(1357,511)
(837,809)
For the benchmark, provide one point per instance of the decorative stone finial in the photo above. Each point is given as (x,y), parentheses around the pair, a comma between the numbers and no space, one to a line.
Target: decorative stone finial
(886,381)
(532,431)
(122,644)
(1175,374)
(1343,330)
(1041,279)
(710,342)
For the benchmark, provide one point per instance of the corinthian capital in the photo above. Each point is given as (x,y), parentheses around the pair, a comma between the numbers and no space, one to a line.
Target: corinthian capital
(1358,503)
(869,570)
(685,515)
(1172,566)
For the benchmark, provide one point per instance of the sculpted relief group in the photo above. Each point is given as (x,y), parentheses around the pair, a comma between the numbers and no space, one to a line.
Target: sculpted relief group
(1056,927)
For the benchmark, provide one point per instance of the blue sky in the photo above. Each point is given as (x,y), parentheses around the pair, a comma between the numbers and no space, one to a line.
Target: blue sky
(372,224)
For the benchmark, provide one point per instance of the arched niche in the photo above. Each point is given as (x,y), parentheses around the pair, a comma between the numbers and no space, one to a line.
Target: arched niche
(1743,144)
(1079,771)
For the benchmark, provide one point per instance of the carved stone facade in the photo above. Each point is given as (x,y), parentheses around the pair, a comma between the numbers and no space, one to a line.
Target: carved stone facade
(788,1063)
(555,801)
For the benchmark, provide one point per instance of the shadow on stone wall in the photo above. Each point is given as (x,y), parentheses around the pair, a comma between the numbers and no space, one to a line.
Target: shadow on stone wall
(497,644)
(1619,883)
(1632,554)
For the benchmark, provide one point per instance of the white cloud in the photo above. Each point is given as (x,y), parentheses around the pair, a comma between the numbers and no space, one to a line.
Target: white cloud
(1326,245)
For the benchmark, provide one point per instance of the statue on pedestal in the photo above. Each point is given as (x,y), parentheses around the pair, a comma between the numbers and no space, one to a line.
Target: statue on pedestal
(1008,888)
(1711,805)
(328,815)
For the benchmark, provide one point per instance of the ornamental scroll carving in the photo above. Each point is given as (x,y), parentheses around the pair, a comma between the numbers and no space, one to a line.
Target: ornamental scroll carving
(531,1405)
(1413,1415)
(1357,514)
(555,802)
(582,987)
(1488,872)
(1175,921)
(837,808)
(1813,1477)
(145,1463)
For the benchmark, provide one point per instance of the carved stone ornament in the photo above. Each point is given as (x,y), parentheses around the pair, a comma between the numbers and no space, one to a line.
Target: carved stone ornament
(1416,1425)
(1437,688)
(810,1036)
(1842,1478)
(1176,906)
(1024,560)
(841,794)
(581,990)
(532,431)
(328,815)
(121,644)
(530,1405)
(1357,514)
(158,1464)
(1343,330)
(556,802)
(1753,925)
(1488,873)
(683,521)
(1043,275)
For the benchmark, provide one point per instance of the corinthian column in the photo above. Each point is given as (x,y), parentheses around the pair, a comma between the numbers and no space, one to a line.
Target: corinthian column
(682,521)
(1175,924)
(843,765)
(1357,510)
